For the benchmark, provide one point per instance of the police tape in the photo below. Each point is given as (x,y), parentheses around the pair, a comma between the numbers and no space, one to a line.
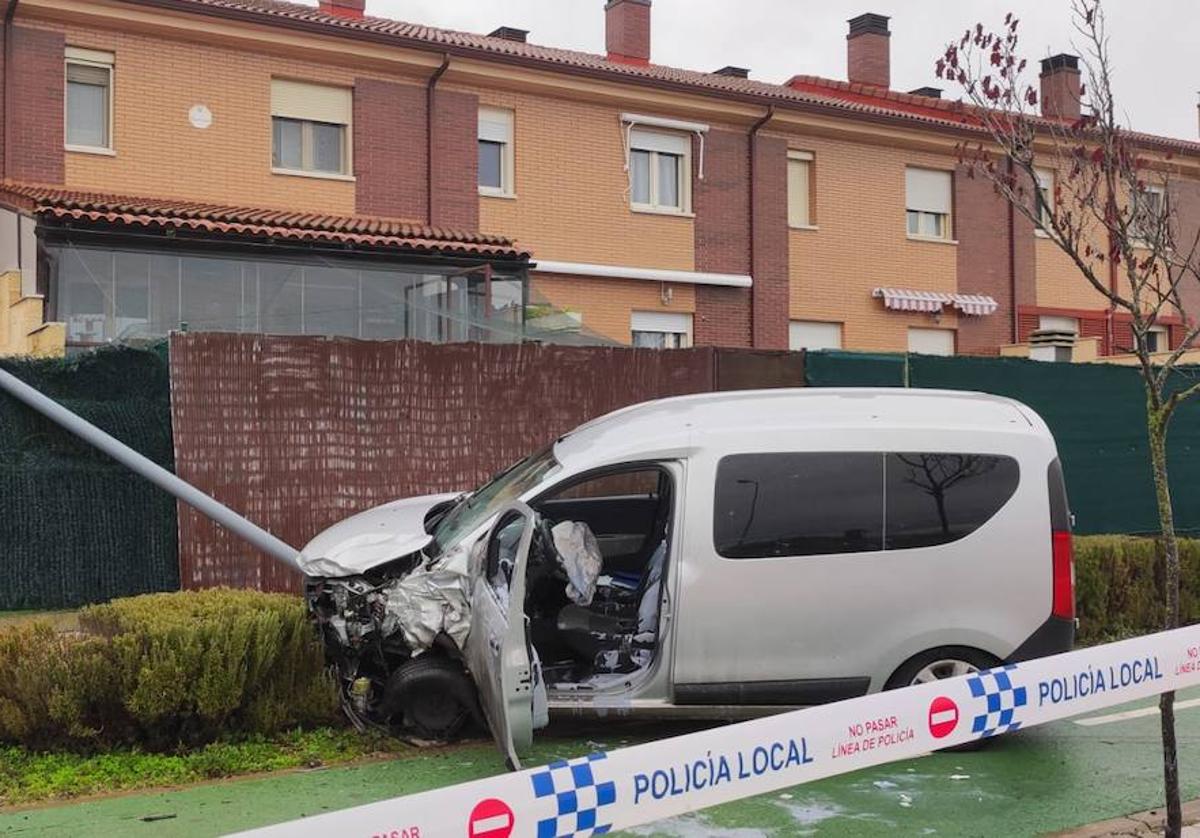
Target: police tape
(607,791)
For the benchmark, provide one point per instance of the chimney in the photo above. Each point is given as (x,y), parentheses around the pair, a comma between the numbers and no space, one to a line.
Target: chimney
(733,72)
(627,31)
(1061,87)
(868,51)
(510,33)
(344,8)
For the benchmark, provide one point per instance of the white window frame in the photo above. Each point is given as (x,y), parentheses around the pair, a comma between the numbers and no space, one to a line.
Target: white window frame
(1058,323)
(1045,185)
(934,216)
(496,126)
(307,119)
(659,144)
(100,60)
(676,323)
(820,335)
(1135,222)
(798,220)
(929,332)
(1162,338)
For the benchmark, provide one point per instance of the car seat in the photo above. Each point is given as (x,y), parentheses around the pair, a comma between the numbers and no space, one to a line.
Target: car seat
(628,620)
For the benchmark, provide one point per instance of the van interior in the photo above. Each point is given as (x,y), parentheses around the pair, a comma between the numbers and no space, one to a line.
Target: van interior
(588,638)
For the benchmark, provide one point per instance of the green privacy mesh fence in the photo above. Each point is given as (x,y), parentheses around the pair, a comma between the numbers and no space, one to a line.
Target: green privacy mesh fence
(1097,415)
(76,527)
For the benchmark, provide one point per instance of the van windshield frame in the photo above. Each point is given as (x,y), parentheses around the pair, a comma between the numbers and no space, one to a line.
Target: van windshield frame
(477,507)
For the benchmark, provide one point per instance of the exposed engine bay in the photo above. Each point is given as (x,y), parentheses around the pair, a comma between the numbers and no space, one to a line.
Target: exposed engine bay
(396,632)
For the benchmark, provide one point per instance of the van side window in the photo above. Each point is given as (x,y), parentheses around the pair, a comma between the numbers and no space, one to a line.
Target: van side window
(502,550)
(798,504)
(938,498)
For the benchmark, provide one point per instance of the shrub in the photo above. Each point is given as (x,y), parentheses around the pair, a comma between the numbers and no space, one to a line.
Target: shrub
(1119,586)
(164,670)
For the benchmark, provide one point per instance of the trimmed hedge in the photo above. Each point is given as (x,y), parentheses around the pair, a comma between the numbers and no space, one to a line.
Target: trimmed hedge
(163,671)
(1119,585)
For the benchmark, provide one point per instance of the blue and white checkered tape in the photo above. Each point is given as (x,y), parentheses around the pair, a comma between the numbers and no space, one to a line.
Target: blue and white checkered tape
(1001,701)
(578,797)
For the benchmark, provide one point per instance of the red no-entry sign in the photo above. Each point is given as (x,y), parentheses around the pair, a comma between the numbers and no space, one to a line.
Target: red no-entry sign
(943,717)
(490,818)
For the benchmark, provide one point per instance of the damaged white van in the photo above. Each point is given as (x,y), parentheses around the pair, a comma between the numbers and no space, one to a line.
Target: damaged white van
(717,556)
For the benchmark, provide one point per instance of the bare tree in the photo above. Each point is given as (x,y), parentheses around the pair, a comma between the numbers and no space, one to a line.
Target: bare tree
(1110,210)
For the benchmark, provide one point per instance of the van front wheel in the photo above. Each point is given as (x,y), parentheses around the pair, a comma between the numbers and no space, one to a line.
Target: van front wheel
(430,696)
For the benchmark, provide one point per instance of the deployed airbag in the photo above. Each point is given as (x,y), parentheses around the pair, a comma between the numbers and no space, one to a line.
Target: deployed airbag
(580,557)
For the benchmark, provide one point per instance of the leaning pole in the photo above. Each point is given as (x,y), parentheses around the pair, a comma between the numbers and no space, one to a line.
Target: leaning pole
(150,470)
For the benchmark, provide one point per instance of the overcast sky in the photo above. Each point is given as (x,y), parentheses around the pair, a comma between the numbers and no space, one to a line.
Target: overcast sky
(1153,41)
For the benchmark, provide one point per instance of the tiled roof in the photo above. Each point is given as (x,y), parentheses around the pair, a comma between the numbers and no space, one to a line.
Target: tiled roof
(285,225)
(803,91)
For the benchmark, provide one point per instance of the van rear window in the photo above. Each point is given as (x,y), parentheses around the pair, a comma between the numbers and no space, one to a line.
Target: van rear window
(938,498)
(804,504)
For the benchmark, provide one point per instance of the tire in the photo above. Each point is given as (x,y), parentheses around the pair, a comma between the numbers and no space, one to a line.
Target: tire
(943,662)
(432,697)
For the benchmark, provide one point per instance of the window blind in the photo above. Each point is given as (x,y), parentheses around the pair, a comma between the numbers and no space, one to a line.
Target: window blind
(928,190)
(312,102)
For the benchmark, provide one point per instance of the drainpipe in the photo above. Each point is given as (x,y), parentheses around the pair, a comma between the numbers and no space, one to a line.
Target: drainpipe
(754,129)
(151,470)
(1012,262)
(1113,273)
(9,13)
(433,80)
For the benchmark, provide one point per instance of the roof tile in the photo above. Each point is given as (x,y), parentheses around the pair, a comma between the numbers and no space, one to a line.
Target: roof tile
(812,91)
(166,213)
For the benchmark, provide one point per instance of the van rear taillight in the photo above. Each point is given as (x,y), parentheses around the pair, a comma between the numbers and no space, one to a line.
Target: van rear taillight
(1063,602)
(1063,554)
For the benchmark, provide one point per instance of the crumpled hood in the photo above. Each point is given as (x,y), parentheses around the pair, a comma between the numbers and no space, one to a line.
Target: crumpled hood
(371,538)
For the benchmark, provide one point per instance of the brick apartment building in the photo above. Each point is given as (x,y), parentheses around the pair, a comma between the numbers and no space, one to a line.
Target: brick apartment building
(256,165)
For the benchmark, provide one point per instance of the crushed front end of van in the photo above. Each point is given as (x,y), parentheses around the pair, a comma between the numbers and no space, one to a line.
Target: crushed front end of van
(379,601)
(390,590)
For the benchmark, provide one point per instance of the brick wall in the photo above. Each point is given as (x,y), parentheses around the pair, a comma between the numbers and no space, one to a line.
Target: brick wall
(35,89)
(3,81)
(981,217)
(722,205)
(607,305)
(860,243)
(627,30)
(572,190)
(455,160)
(158,152)
(390,149)
(1185,199)
(771,281)
(868,59)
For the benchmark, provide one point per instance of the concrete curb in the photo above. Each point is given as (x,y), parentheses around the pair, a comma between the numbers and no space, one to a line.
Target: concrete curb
(1137,825)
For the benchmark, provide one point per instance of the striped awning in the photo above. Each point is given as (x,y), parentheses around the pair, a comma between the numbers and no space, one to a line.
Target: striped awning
(979,305)
(932,302)
(907,299)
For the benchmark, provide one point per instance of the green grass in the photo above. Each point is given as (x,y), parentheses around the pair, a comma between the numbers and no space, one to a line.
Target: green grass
(27,776)
(61,620)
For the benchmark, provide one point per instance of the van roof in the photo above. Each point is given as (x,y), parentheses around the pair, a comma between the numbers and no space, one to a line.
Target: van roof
(652,423)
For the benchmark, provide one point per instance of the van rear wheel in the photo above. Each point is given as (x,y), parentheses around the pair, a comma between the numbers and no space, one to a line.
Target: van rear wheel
(939,664)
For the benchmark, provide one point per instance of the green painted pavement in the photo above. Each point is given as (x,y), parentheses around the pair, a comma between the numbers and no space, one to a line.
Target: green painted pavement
(1042,779)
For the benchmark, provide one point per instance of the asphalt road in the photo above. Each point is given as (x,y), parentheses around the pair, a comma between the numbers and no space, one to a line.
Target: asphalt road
(1039,780)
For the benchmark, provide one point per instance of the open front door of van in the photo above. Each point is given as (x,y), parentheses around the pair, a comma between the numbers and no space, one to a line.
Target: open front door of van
(497,647)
